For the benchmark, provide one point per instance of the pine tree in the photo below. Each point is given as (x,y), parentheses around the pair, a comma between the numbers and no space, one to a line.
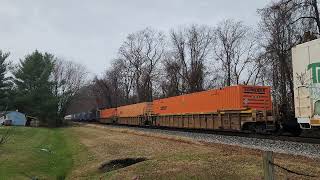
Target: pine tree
(34,88)
(5,84)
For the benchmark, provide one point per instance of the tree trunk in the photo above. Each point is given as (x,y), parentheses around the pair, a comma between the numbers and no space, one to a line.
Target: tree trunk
(229,74)
(316,10)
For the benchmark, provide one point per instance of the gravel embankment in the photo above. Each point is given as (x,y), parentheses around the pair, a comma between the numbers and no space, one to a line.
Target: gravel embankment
(294,148)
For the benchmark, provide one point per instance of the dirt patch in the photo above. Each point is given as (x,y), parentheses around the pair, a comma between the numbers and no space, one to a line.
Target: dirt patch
(119,164)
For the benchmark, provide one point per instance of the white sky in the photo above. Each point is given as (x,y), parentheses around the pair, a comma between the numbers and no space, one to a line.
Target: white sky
(91,31)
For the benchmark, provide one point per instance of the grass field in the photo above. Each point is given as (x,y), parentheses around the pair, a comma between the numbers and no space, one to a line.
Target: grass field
(38,152)
(78,152)
(171,157)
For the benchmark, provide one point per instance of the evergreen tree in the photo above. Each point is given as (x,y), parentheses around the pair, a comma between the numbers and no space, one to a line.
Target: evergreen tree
(34,94)
(5,83)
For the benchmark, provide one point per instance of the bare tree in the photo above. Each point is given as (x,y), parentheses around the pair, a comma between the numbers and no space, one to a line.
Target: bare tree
(127,79)
(304,12)
(121,78)
(68,78)
(236,50)
(191,48)
(115,88)
(101,89)
(85,99)
(171,81)
(259,72)
(142,52)
(279,36)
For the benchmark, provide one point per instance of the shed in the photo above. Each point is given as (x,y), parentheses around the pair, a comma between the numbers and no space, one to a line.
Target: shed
(16,118)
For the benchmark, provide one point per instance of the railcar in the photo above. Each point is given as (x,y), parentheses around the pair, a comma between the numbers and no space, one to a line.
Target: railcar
(90,116)
(306,81)
(108,116)
(134,114)
(76,117)
(234,108)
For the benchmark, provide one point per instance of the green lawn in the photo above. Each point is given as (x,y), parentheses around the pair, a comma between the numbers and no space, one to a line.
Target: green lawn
(78,152)
(39,152)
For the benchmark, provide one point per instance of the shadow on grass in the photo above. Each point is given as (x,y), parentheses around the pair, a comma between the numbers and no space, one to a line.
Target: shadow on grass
(119,163)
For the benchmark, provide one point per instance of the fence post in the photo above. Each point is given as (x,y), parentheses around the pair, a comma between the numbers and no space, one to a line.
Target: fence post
(268,168)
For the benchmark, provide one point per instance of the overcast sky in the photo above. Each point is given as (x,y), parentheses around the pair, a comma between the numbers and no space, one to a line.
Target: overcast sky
(91,31)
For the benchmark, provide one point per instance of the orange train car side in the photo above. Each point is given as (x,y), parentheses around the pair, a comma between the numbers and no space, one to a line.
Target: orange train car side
(133,114)
(134,110)
(129,114)
(229,98)
(108,115)
(233,108)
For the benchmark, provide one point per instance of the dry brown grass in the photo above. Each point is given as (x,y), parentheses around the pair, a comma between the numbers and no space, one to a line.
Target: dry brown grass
(171,157)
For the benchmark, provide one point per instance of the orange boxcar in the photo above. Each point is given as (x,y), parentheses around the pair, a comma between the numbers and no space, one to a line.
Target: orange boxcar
(134,110)
(229,98)
(108,113)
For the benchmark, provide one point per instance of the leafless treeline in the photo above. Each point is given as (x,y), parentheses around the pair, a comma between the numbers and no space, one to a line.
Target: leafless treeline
(68,77)
(151,64)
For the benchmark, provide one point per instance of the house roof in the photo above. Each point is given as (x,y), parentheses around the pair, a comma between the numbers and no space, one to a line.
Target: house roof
(7,112)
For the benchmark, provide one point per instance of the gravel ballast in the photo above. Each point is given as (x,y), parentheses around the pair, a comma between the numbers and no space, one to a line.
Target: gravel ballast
(278,146)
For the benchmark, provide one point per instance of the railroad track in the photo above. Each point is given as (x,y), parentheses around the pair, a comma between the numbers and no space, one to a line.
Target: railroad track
(285,137)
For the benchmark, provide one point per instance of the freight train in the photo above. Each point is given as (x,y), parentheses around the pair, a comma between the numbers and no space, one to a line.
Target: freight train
(234,108)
